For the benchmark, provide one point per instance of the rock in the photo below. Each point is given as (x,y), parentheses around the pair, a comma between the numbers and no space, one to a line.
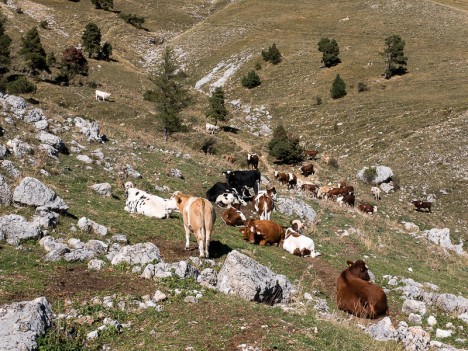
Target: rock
(15,228)
(35,115)
(383,330)
(414,318)
(79,255)
(49,150)
(5,193)
(75,243)
(174,172)
(52,140)
(19,148)
(89,129)
(120,238)
(431,321)
(10,169)
(207,278)
(248,279)
(104,189)
(138,254)
(383,174)
(84,158)
(410,227)
(441,333)
(131,172)
(386,187)
(96,265)
(3,151)
(463,317)
(442,237)
(57,253)
(22,322)
(92,335)
(45,218)
(297,208)
(97,246)
(49,244)
(413,338)
(183,269)
(190,299)
(97,154)
(159,296)
(41,125)
(32,192)
(452,303)
(413,306)
(87,225)
(17,105)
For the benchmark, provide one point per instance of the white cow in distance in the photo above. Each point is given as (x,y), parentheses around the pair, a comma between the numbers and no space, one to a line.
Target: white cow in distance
(102,95)
(139,201)
(211,128)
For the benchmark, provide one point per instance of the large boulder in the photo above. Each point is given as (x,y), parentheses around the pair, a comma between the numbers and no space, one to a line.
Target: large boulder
(104,189)
(35,115)
(382,175)
(138,254)
(442,237)
(22,322)
(14,228)
(89,128)
(383,330)
(248,279)
(52,140)
(31,192)
(297,208)
(5,193)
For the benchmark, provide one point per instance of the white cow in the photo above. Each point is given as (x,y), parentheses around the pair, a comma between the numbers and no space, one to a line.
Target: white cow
(102,95)
(298,244)
(139,201)
(211,128)
(376,192)
(226,200)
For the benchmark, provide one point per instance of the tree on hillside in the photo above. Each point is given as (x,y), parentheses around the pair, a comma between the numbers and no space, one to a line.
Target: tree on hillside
(217,110)
(106,51)
(330,50)
(272,54)
(251,80)
(133,19)
(73,61)
(103,4)
(171,95)
(5,42)
(91,39)
(395,59)
(338,88)
(33,52)
(284,147)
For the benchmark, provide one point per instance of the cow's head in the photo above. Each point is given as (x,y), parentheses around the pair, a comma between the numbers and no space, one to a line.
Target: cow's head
(176,197)
(276,174)
(227,173)
(272,193)
(170,204)
(359,269)
(298,226)
(127,186)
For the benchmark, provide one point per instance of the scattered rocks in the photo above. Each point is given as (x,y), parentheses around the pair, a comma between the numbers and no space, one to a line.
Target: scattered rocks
(104,189)
(130,172)
(415,318)
(442,334)
(15,228)
(431,321)
(297,208)
(138,254)
(35,115)
(84,158)
(89,128)
(5,193)
(413,338)
(87,225)
(382,175)
(410,227)
(383,330)
(174,172)
(19,148)
(32,192)
(442,237)
(413,306)
(96,265)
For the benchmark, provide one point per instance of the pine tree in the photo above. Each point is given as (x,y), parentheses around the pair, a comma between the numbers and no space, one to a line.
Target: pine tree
(251,80)
(91,39)
(272,55)
(106,51)
(73,61)
(5,42)
(171,95)
(217,110)
(395,59)
(33,52)
(103,4)
(285,148)
(330,50)
(338,89)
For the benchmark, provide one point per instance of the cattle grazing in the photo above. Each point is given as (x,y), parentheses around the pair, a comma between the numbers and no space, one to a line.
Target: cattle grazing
(367,208)
(102,95)
(297,226)
(298,244)
(211,128)
(322,193)
(307,170)
(292,181)
(199,217)
(234,217)
(376,192)
(264,203)
(311,154)
(216,190)
(139,201)
(252,161)
(263,232)
(282,177)
(346,199)
(420,205)
(239,179)
(312,188)
(357,295)
(230,158)
(229,199)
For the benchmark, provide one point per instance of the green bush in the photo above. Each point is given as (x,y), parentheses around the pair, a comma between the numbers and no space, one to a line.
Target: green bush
(369,174)
(285,148)
(362,87)
(338,89)
(150,95)
(272,54)
(133,19)
(17,85)
(251,80)
(330,50)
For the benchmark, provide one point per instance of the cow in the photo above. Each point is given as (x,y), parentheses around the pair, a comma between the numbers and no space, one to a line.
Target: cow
(234,217)
(239,179)
(199,217)
(228,199)
(419,205)
(252,161)
(311,154)
(263,232)
(367,208)
(230,158)
(102,95)
(292,181)
(322,192)
(307,170)
(298,244)
(282,177)
(312,188)
(376,192)
(139,201)
(357,295)
(297,226)
(336,192)
(211,128)
(216,190)
(346,199)
(264,203)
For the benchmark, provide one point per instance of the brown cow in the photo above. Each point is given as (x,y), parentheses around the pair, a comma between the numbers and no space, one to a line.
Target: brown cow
(252,161)
(367,208)
(335,192)
(422,205)
(234,217)
(263,232)
(282,177)
(312,188)
(199,217)
(307,170)
(264,203)
(346,199)
(357,295)
(230,158)
(297,226)
(292,181)
(311,154)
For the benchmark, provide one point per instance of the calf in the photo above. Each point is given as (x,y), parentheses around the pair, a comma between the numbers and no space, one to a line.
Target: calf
(311,154)
(347,200)
(297,226)
(376,192)
(357,295)
(230,158)
(211,128)
(367,208)
(322,192)
(335,192)
(252,161)
(264,203)
(234,217)
(312,188)
(282,177)
(102,95)
(263,232)
(139,201)
(299,245)
(420,205)
(292,181)
(216,190)
(307,170)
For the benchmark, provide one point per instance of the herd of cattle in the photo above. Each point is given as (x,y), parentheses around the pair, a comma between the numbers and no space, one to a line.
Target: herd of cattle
(355,293)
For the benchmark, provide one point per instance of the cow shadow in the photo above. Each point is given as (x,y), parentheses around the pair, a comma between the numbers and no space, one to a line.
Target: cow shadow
(218,249)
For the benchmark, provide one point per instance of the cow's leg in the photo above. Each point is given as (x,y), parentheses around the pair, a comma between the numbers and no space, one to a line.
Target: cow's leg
(187,237)
(207,243)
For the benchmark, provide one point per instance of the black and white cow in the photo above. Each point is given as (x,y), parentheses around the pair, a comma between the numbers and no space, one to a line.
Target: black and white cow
(216,190)
(139,201)
(227,200)
(241,179)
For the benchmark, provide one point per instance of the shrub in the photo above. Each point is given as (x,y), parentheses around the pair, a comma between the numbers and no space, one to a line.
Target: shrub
(338,89)
(16,84)
(318,100)
(272,54)
(333,162)
(362,87)
(103,4)
(258,66)
(330,50)
(133,19)
(251,80)
(62,78)
(51,60)
(369,174)
(285,148)
(92,85)
(74,62)
(395,59)
(150,95)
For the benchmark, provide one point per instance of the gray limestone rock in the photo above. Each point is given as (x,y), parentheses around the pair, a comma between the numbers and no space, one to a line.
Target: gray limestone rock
(35,115)
(84,158)
(208,277)
(297,208)
(41,125)
(52,140)
(5,193)
(32,192)
(19,148)
(104,189)
(87,225)
(383,174)
(413,306)
(79,255)
(138,254)
(14,228)
(89,128)
(10,169)
(383,330)
(96,265)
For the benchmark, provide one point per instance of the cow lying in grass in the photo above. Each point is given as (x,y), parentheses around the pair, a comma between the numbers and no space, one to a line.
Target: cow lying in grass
(263,232)
(139,201)
(298,244)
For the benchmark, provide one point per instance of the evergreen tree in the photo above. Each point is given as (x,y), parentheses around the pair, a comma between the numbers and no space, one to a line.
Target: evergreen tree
(330,50)
(133,19)
(5,42)
(33,52)
(285,148)
(171,95)
(251,80)
(395,59)
(103,4)
(338,89)
(217,110)
(91,39)
(106,51)
(272,54)
(73,61)
(51,59)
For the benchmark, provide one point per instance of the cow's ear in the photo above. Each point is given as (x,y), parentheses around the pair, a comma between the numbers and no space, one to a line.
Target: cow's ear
(349,263)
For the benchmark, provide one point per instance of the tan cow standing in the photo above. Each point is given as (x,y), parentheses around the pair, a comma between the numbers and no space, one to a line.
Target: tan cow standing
(199,217)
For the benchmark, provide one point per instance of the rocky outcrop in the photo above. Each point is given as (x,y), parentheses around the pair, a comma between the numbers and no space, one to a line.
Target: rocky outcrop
(31,192)
(382,174)
(442,237)
(89,128)
(297,208)
(15,228)
(138,254)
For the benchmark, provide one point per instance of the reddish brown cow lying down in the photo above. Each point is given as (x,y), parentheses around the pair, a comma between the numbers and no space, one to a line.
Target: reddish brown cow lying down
(357,295)
(263,232)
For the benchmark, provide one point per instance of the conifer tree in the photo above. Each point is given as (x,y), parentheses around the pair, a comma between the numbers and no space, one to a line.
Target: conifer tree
(285,148)
(330,50)
(5,42)
(106,51)
(33,52)
(73,61)
(217,109)
(103,4)
(338,89)
(251,80)
(272,55)
(395,59)
(91,39)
